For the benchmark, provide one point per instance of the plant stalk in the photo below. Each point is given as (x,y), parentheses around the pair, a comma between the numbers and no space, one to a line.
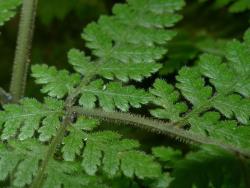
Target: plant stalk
(69,102)
(160,127)
(23,48)
(37,182)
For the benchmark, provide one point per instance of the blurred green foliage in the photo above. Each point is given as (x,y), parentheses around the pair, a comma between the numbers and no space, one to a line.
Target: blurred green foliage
(58,9)
(234,6)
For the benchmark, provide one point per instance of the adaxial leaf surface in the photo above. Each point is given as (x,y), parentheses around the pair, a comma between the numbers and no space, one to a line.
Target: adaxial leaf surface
(129,43)
(56,83)
(7,9)
(112,69)
(24,119)
(70,174)
(107,150)
(209,86)
(117,152)
(73,143)
(210,99)
(167,97)
(123,49)
(22,161)
(112,95)
(226,131)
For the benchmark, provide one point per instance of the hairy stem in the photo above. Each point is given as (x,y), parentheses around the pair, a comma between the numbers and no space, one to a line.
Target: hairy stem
(23,47)
(159,127)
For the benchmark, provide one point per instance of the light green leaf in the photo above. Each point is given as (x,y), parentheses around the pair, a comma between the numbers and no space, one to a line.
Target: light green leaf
(50,125)
(167,98)
(27,117)
(72,144)
(134,163)
(227,131)
(69,174)
(212,67)
(134,35)
(26,170)
(7,9)
(112,69)
(166,154)
(192,86)
(56,83)
(113,95)
(81,62)
(8,162)
(96,143)
(108,149)
(86,124)
(234,105)
(21,159)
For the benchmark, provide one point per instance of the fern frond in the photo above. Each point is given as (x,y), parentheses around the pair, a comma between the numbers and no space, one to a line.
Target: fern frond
(226,90)
(108,150)
(104,150)
(192,86)
(127,49)
(167,97)
(7,10)
(73,143)
(166,154)
(129,43)
(24,119)
(20,158)
(209,104)
(123,34)
(111,69)
(112,95)
(226,131)
(57,83)
(133,164)
(70,174)
(117,153)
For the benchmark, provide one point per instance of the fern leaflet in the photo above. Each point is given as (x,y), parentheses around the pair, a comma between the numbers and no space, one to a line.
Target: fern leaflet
(230,96)
(7,10)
